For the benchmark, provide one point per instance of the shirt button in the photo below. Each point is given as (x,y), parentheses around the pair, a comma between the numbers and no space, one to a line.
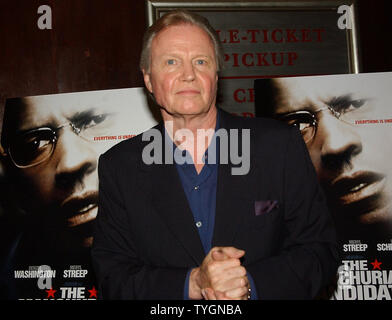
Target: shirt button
(196,187)
(198,224)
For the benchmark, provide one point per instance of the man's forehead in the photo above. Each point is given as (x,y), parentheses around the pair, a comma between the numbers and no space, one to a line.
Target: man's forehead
(188,36)
(41,110)
(312,92)
(58,104)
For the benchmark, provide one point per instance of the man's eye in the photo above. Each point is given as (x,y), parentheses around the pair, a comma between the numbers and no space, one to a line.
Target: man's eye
(357,103)
(95,120)
(300,119)
(171,62)
(347,105)
(299,124)
(35,142)
(200,62)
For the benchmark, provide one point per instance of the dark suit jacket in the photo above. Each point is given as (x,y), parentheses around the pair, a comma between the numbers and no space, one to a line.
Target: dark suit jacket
(146,239)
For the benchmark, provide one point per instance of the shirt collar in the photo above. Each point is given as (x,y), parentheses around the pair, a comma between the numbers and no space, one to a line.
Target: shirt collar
(188,158)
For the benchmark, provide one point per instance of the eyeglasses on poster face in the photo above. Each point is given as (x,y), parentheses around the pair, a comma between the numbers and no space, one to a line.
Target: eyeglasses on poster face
(36,146)
(307,122)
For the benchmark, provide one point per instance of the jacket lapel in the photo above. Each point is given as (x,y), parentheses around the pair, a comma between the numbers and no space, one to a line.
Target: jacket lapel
(170,202)
(235,193)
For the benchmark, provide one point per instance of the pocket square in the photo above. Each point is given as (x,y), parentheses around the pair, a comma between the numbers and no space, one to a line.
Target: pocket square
(265,206)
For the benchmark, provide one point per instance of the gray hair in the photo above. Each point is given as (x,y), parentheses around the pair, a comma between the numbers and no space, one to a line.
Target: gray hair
(174,18)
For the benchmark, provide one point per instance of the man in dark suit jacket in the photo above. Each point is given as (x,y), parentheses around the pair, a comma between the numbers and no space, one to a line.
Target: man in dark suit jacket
(265,233)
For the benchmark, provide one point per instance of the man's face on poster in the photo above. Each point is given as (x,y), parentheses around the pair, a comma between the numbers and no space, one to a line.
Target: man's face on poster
(54,150)
(350,155)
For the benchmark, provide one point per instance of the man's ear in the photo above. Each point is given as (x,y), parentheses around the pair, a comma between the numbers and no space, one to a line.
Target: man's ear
(147,80)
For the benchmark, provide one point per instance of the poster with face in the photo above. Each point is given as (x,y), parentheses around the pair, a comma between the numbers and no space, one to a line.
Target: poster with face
(49,186)
(346,123)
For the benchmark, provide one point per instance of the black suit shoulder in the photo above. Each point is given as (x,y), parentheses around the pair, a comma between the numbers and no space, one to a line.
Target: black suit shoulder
(266,132)
(262,124)
(271,129)
(128,150)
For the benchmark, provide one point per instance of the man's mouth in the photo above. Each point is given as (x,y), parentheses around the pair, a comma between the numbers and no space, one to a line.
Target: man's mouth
(362,187)
(80,209)
(188,92)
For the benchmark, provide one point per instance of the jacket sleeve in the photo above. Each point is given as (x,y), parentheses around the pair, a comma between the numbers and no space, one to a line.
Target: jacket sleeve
(309,256)
(120,272)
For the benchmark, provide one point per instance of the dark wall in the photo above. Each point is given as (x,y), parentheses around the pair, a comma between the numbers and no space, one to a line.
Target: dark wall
(375,24)
(95,44)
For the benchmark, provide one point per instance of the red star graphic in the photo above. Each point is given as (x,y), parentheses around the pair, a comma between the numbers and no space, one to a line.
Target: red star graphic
(93,292)
(50,293)
(376,264)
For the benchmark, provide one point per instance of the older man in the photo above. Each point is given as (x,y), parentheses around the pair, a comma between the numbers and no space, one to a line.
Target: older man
(194,229)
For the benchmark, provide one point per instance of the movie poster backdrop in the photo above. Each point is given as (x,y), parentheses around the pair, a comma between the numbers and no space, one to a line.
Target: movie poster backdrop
(49,183)
(346,123)
(49,186)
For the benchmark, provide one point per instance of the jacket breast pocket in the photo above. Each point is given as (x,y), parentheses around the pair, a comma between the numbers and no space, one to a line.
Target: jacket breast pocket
(266,213)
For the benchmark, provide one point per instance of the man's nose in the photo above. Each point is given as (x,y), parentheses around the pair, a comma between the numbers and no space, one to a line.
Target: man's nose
(340,142)
(75,159)
(188,71)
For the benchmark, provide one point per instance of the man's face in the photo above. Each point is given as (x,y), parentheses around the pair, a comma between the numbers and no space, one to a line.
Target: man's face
(64,184)
(350,157)
(183,73)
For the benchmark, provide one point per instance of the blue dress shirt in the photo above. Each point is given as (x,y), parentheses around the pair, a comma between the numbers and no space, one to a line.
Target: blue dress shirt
(200,190)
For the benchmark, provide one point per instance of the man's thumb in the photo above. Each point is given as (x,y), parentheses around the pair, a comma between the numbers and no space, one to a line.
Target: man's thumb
(233,252)
(219,255)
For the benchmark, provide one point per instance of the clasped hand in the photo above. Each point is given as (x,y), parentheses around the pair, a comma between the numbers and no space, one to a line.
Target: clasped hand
(220,276)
